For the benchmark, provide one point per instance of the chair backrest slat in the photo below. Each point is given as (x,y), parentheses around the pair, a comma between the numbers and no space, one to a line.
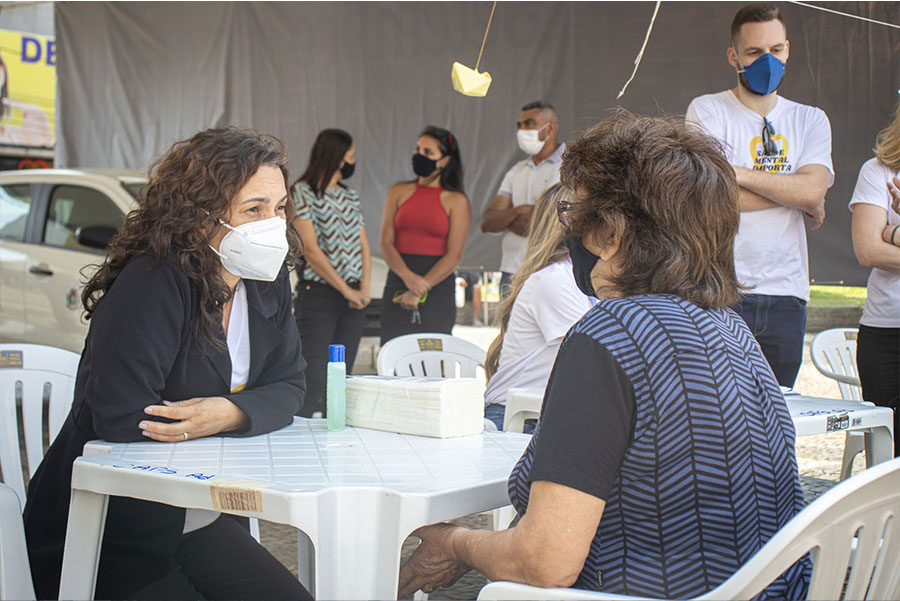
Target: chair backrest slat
(834,355)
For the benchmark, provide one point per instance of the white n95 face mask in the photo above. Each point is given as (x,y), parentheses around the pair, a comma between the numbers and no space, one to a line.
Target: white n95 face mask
(255,250)
(529,141)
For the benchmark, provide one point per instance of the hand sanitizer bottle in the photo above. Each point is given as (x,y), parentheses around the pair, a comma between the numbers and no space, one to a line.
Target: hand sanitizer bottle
(336,388)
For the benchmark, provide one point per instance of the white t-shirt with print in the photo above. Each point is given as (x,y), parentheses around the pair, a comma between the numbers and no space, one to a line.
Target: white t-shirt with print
(548,304)
(523,184)
(770,252)
(882,309)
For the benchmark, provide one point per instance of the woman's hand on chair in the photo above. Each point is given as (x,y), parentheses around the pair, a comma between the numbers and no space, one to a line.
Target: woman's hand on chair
(193,418)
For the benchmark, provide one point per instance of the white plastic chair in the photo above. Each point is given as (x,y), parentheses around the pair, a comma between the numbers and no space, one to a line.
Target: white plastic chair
(430,354)
(522,404)
(32,367)
(834,355)
(15,572)
(862,512)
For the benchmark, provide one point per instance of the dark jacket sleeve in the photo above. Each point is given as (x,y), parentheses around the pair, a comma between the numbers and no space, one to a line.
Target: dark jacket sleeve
(135,336)
(276,395)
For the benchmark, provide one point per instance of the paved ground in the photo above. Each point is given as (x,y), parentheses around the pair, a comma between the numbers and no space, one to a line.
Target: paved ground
(818,457)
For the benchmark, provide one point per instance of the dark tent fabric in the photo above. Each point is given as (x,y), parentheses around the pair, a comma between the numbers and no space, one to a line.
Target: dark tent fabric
(134,77)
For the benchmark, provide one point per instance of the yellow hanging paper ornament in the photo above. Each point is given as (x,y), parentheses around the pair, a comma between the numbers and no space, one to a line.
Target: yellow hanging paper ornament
(470,82)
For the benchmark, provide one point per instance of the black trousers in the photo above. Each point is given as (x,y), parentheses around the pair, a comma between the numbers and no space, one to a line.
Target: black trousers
(878,362)
(437,313)
(323,318)
(221,561)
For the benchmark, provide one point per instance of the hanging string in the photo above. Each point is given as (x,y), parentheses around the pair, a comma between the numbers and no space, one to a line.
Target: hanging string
(486,30)
(828,10)
(637,61)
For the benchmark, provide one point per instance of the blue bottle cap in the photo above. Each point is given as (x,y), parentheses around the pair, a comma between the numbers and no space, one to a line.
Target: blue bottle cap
(336,353)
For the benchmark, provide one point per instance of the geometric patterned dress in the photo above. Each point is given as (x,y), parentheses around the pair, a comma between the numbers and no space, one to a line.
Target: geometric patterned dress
(709,473)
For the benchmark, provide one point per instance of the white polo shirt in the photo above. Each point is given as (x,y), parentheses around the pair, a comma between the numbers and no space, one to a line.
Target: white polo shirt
(770,253)
(523,184)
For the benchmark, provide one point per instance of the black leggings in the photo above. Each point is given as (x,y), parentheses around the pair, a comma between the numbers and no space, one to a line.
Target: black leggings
(324,318)
(878,362)
(223,562)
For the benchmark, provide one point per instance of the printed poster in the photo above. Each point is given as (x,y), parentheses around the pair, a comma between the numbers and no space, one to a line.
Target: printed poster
(27,89)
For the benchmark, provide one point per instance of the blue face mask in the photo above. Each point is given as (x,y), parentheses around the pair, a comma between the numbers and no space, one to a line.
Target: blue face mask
(763,75)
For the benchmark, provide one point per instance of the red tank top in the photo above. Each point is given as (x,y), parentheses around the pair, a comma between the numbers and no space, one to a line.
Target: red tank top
(421,225)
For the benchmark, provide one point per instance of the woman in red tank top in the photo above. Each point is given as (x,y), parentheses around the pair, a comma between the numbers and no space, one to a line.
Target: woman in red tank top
(423,235)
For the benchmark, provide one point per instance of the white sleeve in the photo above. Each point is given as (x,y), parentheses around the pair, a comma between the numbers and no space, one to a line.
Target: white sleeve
(556,302)
(817,143)
(707,114)
(871,186)
(700,111)
(506,184)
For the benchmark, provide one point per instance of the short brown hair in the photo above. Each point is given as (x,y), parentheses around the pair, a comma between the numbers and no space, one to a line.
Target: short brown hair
(670,190)
(755,13)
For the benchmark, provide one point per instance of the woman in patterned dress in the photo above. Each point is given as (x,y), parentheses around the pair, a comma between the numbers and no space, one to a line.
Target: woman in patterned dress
(333,290)
(664,456)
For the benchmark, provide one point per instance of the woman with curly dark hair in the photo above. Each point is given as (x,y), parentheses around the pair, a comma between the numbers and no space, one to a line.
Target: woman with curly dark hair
(191,335)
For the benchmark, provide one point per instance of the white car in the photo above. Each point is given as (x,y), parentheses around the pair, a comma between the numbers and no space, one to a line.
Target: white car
(54,223)
(54,228)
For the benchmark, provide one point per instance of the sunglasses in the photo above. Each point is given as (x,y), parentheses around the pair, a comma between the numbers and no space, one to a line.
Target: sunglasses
(769,147)
(562,207)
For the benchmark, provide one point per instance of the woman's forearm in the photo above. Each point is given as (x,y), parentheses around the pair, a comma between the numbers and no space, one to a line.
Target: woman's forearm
(395,261)
(443,268)
(322,266)
(511,555)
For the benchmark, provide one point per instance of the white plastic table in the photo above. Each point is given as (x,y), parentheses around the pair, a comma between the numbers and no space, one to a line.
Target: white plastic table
(356,494)
(812,415)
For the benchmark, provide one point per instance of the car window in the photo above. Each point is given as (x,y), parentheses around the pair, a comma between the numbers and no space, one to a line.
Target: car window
(72,207)
(136,189)
(15,201)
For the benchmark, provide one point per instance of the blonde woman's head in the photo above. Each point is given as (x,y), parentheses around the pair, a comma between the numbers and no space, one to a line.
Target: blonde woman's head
(887,144)
(546,245)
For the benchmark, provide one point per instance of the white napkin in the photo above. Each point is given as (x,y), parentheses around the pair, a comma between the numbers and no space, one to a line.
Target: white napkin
(437,407)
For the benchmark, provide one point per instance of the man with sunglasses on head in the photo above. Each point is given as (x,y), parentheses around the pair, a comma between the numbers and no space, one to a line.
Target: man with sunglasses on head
(781,154)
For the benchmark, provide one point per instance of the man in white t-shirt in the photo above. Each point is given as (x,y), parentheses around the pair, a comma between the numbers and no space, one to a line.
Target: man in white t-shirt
(523,184)
(781,154)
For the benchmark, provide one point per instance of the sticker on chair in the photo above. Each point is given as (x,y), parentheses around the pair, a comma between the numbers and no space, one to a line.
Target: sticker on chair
(12,360)
(430,344)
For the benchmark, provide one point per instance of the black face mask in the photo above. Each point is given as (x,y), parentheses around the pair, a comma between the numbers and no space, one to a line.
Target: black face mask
(583,262)
(347,170)
(422,165)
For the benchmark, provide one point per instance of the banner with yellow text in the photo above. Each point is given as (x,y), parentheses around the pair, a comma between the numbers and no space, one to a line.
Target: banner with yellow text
(27,89)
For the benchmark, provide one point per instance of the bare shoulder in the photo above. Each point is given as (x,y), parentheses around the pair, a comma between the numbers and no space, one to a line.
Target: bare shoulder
(452,199)
(402,189)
